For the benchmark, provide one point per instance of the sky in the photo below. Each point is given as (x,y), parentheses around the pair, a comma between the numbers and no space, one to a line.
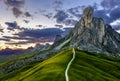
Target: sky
(25,23)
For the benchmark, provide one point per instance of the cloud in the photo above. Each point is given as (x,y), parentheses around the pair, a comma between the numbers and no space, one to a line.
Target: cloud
(16,11)
(27,14)
(26,21)
(57,4)
(58,25)
(109,4)
(39,35)
(36,33)
(15,6)
(12,25)
(60,16)
(70,22)
(68,17)
(95,5)
(4,39)
(48,15)
(75,11)
(35,36)
(39,25)
(1,30)
(108,15)
(102,14)
(17,38)
(115,13)
(14,3)
(116,24)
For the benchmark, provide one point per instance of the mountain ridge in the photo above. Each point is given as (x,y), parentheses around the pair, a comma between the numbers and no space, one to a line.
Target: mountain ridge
(93,35)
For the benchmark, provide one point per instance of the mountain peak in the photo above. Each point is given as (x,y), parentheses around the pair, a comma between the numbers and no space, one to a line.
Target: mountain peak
(92,34)
(87,17)
(88,13)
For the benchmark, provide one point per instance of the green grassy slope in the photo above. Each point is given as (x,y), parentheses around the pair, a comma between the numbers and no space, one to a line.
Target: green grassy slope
(86,67)
(52,69)
(94,67)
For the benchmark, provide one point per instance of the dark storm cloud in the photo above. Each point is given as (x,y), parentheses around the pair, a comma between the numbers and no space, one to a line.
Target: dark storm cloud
(12,25)
(61,16)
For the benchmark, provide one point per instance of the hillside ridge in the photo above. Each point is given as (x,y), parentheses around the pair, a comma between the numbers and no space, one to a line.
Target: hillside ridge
(93,35)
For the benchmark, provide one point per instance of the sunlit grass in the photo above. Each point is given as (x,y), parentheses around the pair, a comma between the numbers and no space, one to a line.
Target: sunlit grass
(86,67)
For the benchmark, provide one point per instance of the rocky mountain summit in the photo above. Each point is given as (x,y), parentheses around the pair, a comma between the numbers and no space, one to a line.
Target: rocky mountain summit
(92,34)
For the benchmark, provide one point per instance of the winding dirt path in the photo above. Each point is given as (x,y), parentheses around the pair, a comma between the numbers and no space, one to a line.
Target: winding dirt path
(68,66)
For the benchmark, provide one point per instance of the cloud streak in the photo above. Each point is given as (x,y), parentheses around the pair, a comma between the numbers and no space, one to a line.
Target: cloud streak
(35,36)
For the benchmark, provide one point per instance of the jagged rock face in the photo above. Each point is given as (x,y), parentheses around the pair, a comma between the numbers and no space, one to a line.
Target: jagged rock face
(87,17)
(91,34)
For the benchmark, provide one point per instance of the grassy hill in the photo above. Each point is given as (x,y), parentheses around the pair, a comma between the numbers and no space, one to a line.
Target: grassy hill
(85,67)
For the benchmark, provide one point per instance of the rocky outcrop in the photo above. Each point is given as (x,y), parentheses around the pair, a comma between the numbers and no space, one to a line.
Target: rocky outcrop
(58,37)
(92,34)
